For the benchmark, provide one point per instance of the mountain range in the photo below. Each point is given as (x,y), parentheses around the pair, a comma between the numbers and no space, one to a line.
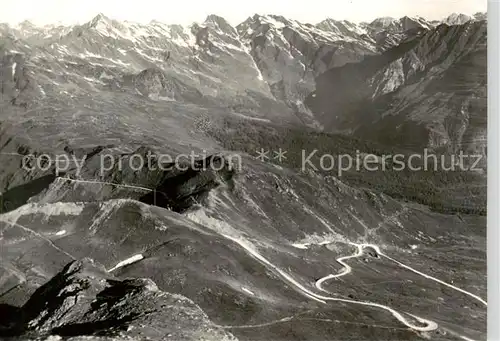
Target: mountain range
(276,63)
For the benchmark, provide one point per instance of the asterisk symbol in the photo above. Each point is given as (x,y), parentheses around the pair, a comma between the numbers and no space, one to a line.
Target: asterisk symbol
(262,154)
(280,155)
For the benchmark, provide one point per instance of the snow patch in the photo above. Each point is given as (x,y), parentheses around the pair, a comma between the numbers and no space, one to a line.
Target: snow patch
(247,291)
(128,261)
(42,91)
(146,56)
(88,55)
(301,246)
(53,338)
(253,118)
(93,80)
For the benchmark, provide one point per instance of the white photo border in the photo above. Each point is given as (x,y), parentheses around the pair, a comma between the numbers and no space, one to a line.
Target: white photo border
(493,237)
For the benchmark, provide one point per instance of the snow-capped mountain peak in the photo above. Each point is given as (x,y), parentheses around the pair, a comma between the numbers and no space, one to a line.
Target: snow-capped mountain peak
(220,24)
(457,19)
(100,18)
(410,23)
(400,25)
(344,27)
(383,22)
(108,27)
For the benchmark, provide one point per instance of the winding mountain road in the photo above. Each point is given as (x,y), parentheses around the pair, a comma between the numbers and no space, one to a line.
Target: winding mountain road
(426,325)
(360,249)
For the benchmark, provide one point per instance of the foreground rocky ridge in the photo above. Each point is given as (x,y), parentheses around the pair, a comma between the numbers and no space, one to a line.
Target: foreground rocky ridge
(84,299)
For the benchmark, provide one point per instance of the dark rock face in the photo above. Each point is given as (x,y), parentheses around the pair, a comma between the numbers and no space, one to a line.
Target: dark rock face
(155,84)
(176,185)
(150,81)
(190,185)
(202,36)
(17,84)
(85,300)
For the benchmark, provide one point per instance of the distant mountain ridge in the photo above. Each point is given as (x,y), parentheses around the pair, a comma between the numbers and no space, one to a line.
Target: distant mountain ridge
(266,67)
(417,94)
(272,61)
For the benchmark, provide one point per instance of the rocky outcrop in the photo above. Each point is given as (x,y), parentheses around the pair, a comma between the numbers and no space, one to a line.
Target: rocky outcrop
(457,19)
(85,300)
(190,184)
(18,87)
(154,84)
(481,16)
(460,18)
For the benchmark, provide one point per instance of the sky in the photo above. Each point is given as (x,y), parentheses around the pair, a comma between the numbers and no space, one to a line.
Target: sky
(235,11)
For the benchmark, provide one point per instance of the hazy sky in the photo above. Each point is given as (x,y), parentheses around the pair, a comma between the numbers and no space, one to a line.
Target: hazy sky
(235,11)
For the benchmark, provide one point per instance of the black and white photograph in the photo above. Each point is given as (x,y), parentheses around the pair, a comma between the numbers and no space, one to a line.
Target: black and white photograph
(244,171)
